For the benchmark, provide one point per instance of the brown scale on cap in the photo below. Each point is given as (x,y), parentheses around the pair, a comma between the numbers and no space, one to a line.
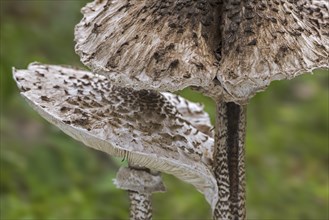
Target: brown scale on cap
(145,127)
(264,41)
(165,45)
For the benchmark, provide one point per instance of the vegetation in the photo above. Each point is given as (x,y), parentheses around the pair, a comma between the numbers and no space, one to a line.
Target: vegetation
(47,175)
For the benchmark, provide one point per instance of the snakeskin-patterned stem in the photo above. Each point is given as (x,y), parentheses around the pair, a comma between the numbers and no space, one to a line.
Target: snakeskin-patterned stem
(229,168)
(140,205)
(140,183)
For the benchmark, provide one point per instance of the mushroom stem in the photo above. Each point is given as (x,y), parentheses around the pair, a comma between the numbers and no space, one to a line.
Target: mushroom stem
(229,167)
(140,183)
(140,202)
(140,205)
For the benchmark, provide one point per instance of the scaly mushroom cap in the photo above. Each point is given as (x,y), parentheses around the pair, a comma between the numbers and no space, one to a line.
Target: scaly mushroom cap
(170,44)
(150,44)
(271,40)
(142,126)
(192,112)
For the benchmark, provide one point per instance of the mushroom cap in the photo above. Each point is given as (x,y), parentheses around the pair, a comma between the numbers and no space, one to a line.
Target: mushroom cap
(142,126)
(192,112)
(150,44)
(271,40)
(169,45)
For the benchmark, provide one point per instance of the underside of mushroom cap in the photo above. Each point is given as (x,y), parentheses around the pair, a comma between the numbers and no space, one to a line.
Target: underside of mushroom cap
(142,126)
(151,44)
(271,40)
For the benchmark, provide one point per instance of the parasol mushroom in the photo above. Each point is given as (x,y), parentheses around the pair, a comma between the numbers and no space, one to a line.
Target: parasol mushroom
(229,49)
(151,130)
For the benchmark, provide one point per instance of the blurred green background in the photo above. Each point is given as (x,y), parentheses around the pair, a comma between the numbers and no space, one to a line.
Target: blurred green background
(47,175)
